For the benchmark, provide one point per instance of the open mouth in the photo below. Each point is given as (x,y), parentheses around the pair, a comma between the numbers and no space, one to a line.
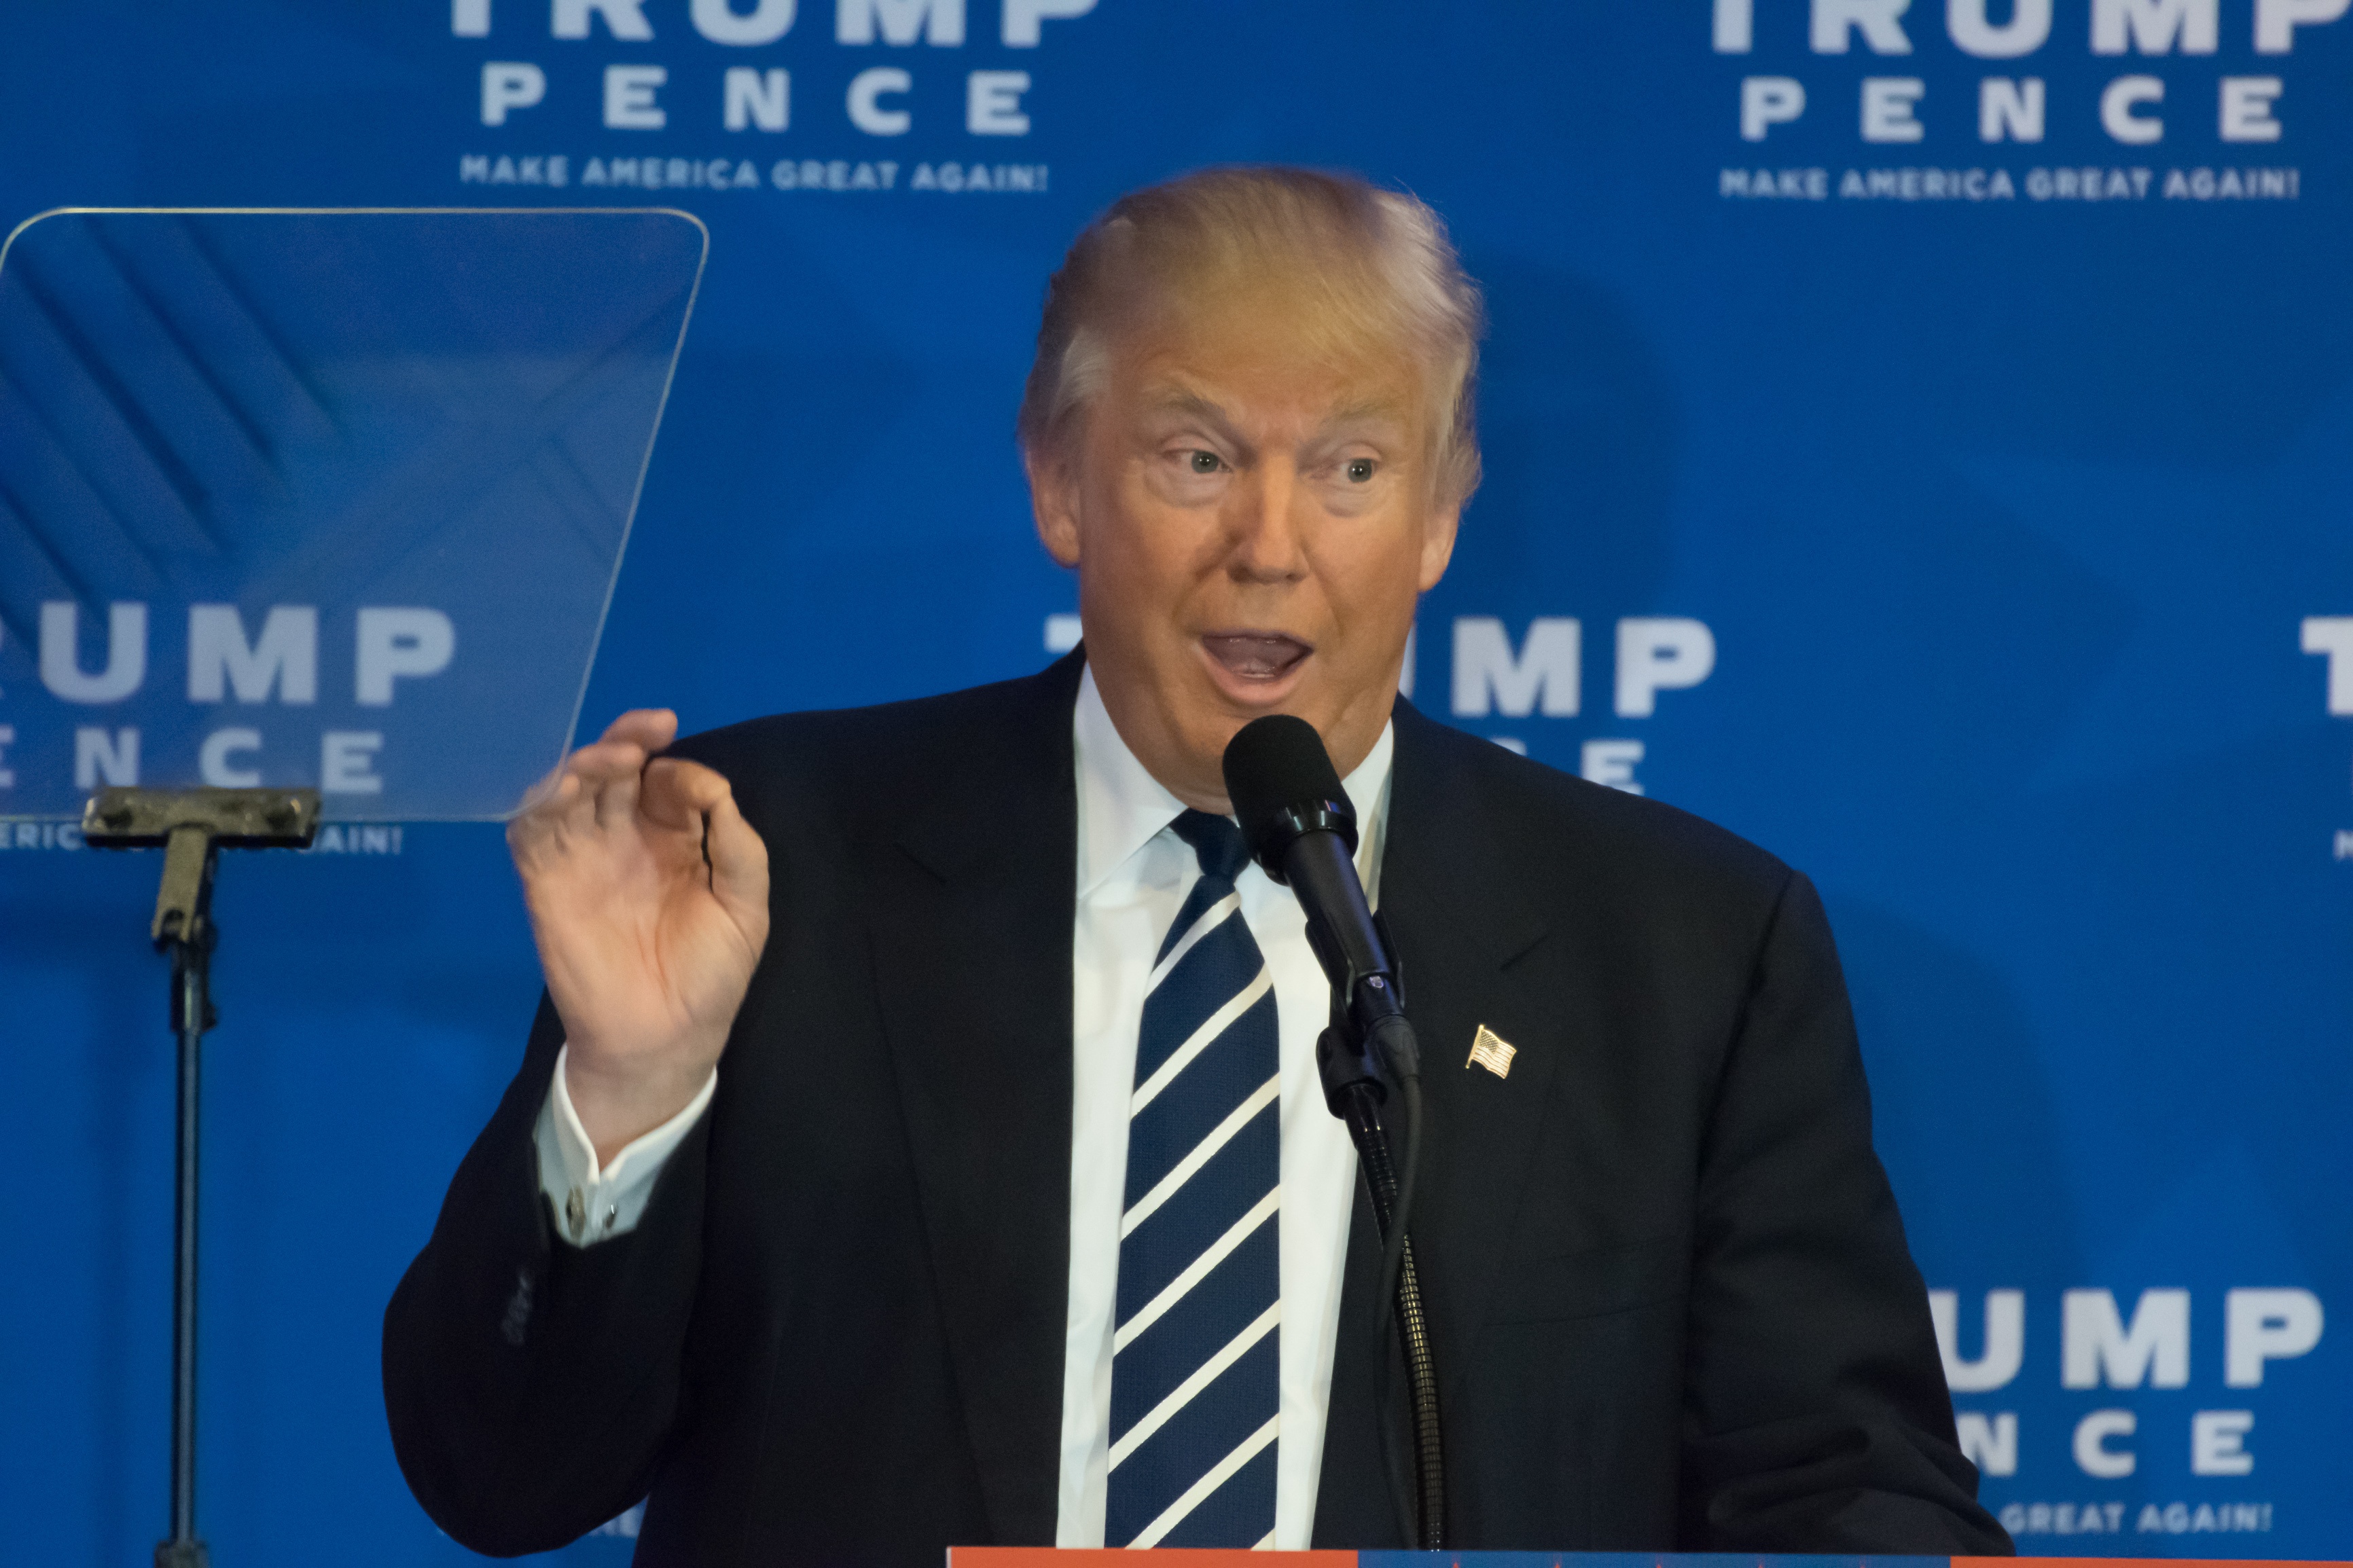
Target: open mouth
(1256,656)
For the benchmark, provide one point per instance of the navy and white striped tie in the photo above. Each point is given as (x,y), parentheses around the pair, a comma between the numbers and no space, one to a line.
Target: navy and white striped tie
(1195,1380)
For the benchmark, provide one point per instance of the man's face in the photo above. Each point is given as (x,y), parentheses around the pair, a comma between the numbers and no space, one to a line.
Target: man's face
(1251,527)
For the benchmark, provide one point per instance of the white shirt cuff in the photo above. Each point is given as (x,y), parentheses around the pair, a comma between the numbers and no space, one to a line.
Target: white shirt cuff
(595,1202)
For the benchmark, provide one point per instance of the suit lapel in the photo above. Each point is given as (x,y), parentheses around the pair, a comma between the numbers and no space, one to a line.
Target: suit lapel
(1462,918)
(971,930)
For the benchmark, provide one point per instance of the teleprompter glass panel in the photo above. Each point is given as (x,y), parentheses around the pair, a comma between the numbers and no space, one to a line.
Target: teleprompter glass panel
(318,498)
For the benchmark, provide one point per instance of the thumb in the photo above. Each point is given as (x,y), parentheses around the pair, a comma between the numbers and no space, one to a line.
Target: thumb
(738,867)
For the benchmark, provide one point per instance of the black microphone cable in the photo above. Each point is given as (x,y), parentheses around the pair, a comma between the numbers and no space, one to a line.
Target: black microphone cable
(1401,1285)
(1420,1504)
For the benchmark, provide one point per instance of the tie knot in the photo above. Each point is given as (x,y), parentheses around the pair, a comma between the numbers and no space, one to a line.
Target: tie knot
(1216,841)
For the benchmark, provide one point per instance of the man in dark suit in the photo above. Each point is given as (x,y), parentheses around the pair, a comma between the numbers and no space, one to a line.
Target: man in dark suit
(1011,1214)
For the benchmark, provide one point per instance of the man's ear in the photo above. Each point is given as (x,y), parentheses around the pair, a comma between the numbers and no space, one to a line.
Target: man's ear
(1054,502)
(1437,531)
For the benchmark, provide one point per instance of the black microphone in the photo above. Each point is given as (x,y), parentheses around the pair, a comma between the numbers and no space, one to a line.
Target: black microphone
(1301,830)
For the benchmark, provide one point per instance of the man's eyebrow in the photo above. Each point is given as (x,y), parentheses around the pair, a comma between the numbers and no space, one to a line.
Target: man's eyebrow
(1176,400)
(1372,411)
(1348,418)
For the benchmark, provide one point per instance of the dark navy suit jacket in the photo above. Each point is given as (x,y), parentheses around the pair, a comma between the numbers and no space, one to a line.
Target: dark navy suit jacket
(1672,1302)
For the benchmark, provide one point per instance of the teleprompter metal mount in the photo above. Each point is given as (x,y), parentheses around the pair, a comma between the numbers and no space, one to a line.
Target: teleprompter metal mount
(192,826)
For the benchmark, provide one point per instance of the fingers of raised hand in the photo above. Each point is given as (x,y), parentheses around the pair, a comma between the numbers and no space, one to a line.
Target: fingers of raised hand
(648,729)
(615,766)
(608,773)
(596,786)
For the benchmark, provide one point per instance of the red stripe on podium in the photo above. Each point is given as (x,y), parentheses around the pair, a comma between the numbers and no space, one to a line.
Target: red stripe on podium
(1052,1557)
(1157,1557)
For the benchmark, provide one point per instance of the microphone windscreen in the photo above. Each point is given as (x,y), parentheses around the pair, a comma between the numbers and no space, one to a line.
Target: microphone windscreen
(1277,771)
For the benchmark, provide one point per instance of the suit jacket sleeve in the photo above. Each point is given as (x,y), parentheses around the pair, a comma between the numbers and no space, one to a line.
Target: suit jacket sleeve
(1816,1414)
(532,1385)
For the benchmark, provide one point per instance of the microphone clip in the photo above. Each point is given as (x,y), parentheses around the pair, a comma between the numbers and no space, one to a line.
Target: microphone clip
(1368,1046)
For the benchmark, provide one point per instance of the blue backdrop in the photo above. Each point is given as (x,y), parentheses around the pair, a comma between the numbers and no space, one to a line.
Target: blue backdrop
(1920,439)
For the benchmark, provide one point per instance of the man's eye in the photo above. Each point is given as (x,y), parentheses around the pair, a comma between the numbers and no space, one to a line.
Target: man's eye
(1205,462)
(1359,471)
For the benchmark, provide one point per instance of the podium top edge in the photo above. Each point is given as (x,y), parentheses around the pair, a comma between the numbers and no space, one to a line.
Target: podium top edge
(701,227)
(357,212)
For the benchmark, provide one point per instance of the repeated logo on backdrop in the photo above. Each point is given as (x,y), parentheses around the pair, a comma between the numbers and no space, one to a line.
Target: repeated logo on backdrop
(908,72)
(2332,638)
(2145,102)
(2104,1348)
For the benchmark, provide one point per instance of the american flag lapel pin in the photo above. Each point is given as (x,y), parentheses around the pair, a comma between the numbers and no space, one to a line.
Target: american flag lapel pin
(1492,1051)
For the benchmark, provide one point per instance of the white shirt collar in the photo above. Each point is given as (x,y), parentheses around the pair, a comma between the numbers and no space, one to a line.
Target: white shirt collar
(1122,806)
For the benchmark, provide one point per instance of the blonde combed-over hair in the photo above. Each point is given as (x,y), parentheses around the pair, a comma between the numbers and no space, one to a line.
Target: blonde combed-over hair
(1359,269)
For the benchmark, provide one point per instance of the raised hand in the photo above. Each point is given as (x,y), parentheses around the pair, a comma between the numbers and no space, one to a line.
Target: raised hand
(649,899)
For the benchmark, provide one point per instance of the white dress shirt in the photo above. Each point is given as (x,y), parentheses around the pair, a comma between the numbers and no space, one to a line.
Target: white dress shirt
(1133,877)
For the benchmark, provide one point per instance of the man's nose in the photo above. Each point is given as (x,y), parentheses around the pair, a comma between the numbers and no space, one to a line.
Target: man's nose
(1265,526)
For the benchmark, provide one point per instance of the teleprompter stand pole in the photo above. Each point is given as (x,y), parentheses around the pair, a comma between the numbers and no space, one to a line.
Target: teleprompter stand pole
(192,826)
